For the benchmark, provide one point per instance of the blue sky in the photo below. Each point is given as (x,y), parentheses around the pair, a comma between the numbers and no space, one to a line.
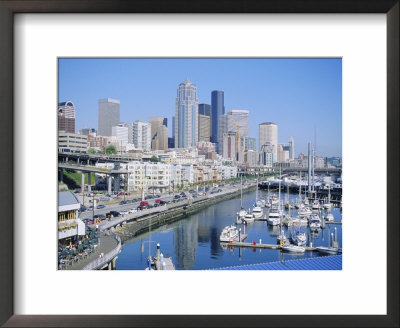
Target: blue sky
(299,95)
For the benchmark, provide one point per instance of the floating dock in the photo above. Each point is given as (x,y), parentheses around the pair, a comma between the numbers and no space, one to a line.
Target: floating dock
(265,246)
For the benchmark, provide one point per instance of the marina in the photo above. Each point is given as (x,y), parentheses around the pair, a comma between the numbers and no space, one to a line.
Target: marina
(194,241)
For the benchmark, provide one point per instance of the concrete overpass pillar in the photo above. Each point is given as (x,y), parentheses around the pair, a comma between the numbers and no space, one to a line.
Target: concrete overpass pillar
(109,181)
(61,175)
(89,182)
(83,182)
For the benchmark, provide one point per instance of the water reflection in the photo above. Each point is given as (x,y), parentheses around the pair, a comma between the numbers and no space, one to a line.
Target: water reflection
(193,242)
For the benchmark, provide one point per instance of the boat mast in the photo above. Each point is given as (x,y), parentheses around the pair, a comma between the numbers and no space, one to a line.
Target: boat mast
(241,193)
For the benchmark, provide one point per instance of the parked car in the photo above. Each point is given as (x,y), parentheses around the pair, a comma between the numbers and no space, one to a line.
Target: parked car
(156,204)
(124,212)
(163,202)
(100,206)
(123,202)
(148,197)
(100,216)
(150,206)
(133,210)
(157,196)
(158,201)
(141,207)
(177,196)
(143,203)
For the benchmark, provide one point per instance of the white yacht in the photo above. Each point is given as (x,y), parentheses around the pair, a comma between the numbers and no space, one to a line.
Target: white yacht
(315,205)
(257,212)
(229,233)
(305,211)
(248,218)
(329,217)
(327,250)
(299,238)
(293,249)
(315,222)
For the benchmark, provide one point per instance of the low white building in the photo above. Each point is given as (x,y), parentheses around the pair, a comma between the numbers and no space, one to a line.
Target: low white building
(148,177)
(70,227)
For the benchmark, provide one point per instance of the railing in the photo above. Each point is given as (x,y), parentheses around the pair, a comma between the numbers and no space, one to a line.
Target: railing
(118,220)
(99,262)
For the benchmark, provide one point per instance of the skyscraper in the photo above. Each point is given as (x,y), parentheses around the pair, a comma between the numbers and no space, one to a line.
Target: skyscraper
(120,131)
(66,117)
(205,109)
(204,127)
(217,109)
(186,115)
(235,120)
(108,116)
(291,148)
(268,132)
(157,122)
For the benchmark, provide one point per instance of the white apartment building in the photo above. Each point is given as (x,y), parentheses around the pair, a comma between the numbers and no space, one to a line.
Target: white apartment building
(227,172)
(148,177)
(120,132)
(139,134)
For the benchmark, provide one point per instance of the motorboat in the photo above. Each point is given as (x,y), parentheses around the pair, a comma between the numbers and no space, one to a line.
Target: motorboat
(329,217)
(314,222)
(229,233)
(248,218)
(257,212)
(289,221)
(316,205)
(293,248)
(328,250)
(305,211)
(299,238)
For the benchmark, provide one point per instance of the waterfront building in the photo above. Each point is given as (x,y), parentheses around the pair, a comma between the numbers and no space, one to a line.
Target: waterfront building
(248,143)
(230,146)
(140,135)
(66,116)
(291,148)
(227,172)
(186,115)
(108,116)
(120,132)
(204,127)
(149,177)
(268,132)
(72,142)
(70,227)
(217,110)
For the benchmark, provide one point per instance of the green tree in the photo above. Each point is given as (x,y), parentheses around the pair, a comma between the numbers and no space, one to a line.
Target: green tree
(111,149)
(92,151)
(154,159)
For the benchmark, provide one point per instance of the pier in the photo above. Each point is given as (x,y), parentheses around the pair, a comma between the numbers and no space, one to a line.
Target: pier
(264,246)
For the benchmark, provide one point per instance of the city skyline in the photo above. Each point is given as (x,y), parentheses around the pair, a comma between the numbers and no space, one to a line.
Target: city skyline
(299,95)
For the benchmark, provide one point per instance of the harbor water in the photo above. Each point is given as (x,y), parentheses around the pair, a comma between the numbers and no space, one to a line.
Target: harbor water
(193,242)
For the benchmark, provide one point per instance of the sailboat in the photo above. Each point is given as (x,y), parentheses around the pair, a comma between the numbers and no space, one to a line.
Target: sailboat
(242,211)
(328,205)
(257,210)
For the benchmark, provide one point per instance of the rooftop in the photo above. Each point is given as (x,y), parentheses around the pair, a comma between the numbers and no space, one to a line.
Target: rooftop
(67,198)
(315,263)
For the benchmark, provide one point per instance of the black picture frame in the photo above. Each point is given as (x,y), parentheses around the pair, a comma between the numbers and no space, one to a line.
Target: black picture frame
(7,11)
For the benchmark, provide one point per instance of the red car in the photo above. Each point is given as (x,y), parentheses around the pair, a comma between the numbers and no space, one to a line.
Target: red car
(144,203)
(158,201)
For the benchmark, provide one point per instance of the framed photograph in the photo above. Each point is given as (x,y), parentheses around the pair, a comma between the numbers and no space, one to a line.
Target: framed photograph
(98,62)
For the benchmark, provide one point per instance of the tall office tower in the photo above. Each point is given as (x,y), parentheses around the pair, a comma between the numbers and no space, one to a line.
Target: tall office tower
(204,127)
(291,148)
(217,110)
(156,122)
(235,120)
(171,143)
(66,117)
(140,134)
(186,115)
(121,131)
(205,109)
(268,132)
(160,140)
(165,121)
(108,116)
